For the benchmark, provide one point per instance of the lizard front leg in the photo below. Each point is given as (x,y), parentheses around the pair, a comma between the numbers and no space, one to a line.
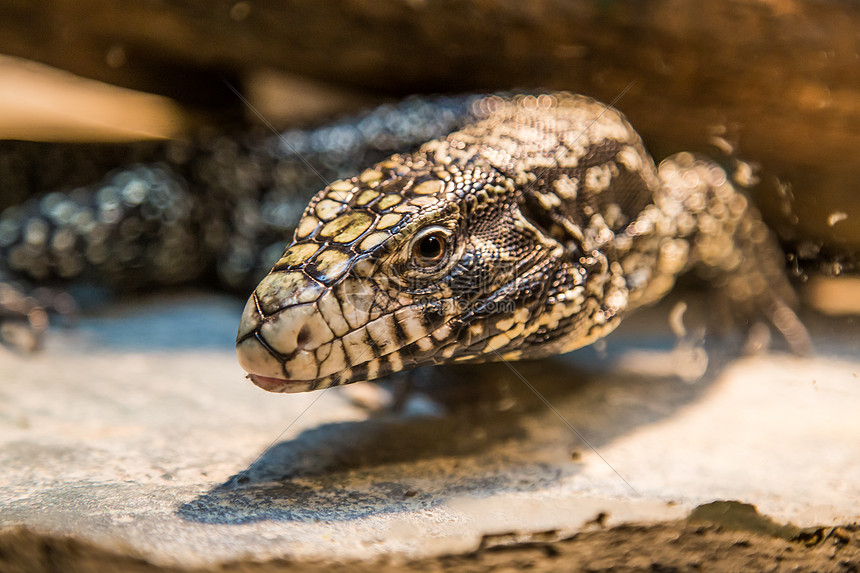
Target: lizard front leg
(729,243)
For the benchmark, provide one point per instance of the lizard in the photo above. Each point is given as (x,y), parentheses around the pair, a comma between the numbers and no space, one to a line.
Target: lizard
(531,231)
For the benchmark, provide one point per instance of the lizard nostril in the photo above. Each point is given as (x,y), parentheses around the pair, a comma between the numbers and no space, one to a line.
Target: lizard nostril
(303,337)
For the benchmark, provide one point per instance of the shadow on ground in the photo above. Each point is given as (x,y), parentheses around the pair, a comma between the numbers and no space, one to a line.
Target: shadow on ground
(495,436)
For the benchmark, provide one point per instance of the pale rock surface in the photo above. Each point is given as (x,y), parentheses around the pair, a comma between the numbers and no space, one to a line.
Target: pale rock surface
(136,431)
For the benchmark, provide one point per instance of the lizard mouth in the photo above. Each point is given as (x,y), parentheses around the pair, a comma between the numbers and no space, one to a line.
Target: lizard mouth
(272,384)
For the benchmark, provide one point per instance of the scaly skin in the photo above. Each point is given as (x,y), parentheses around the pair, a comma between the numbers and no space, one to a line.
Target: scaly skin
(530,232)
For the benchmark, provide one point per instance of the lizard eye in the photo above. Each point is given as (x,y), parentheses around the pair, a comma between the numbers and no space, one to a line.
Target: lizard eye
(430,246)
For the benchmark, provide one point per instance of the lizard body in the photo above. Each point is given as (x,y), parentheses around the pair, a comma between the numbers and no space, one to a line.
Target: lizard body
(531,231)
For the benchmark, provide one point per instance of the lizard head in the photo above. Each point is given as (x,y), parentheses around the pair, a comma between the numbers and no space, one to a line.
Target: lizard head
(476,247)
(416,261)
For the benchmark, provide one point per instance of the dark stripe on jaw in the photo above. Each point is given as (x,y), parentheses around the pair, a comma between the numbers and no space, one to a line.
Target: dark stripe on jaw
(411,360)
(424,321)
(384,366)
(398,331)
(369,341)
(356,374)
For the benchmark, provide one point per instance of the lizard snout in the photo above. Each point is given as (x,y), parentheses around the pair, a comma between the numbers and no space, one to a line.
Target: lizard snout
(283,336)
